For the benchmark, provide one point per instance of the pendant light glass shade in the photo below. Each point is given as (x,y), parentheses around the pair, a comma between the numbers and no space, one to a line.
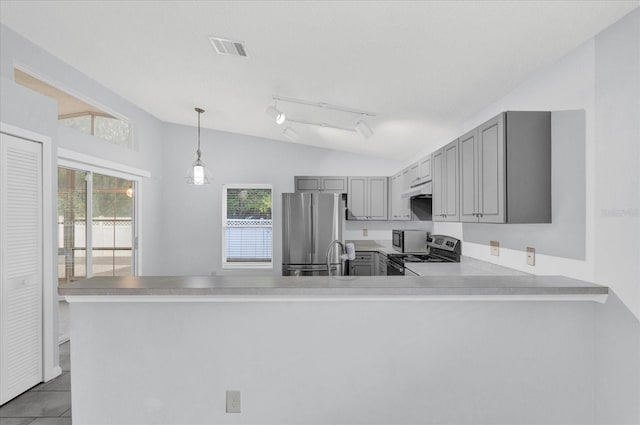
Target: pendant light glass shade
(198,174)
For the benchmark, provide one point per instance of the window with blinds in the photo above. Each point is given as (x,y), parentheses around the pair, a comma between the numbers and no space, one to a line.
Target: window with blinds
(247,226)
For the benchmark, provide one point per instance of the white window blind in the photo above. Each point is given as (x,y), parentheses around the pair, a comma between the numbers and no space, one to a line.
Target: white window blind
(248,226)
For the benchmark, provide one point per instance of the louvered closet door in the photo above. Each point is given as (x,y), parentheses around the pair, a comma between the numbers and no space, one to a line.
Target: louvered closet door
(20,266)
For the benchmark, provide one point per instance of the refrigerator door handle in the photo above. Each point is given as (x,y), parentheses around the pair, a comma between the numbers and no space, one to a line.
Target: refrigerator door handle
(314,200)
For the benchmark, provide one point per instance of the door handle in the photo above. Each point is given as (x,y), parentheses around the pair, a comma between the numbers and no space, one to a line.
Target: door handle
(313,242)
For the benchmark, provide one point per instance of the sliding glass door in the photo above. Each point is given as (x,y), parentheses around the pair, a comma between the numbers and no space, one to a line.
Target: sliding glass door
(72,222)
(96,215)
(112,227)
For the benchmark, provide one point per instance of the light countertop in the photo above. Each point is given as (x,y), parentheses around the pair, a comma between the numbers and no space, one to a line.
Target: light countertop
(382,246)
(466,267)
(349,287)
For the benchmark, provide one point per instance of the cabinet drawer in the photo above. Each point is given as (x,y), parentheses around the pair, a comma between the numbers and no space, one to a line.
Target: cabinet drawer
(364,256)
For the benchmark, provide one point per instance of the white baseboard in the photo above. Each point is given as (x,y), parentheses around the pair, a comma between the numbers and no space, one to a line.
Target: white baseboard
(55,372)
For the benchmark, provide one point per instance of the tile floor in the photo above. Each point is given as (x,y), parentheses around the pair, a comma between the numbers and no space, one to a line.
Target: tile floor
(45,404)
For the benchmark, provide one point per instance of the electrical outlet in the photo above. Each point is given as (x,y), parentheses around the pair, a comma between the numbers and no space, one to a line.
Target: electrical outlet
(531,256)
(233,401)
(365,232)
(495,248)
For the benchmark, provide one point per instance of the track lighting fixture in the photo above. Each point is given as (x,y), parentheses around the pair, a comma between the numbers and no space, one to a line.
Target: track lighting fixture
(198,174)
(363,129)
(276,114)
(291,134)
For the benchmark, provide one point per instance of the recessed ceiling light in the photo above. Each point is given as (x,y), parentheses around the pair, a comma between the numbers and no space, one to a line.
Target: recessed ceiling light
(224,46)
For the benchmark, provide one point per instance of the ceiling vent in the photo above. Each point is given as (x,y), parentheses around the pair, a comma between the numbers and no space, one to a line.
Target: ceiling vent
(228,47)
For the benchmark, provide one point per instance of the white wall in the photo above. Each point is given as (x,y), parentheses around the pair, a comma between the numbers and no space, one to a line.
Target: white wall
(328,362)
(616,224)
(617,159)
(181,224)
(147,155)
(567,85)
(24,109)
(601,77)
(192,216)
(381,230)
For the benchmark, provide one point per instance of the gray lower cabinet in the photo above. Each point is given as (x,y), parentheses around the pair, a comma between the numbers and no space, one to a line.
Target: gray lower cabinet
(445,165)
(329,184)
(363,264)
(381,264)
(505,169)
(408,272)
(367,198)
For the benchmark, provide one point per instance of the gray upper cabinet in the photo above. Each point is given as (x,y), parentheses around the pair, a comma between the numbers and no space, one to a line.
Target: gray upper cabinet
(330,184)
(446,186)
(400,207)
(424,169)
(506,169)
(490,171)
(367,198)
(357,198)
(482,173)
(468,176)
(412,176)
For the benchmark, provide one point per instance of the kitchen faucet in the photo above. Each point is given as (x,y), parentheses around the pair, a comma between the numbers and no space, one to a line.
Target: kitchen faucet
(343,256)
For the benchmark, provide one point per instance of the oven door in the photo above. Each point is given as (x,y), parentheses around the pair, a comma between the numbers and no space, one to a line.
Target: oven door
(394,269)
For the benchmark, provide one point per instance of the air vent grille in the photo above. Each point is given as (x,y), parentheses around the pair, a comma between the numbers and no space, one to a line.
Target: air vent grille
(225,46)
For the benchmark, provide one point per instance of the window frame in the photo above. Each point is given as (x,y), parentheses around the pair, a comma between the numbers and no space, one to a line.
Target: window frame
(103,110)
(243,265)
(91,165)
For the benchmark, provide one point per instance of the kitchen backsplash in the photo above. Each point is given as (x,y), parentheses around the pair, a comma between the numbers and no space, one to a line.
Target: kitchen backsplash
(380,230)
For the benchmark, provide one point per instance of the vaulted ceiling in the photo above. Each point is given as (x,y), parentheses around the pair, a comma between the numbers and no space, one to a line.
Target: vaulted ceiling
(421,67)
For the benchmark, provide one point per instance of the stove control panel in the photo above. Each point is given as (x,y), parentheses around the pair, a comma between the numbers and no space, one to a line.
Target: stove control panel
(443,242)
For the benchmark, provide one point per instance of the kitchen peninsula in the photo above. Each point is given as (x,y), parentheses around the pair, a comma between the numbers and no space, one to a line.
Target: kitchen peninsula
(295,347)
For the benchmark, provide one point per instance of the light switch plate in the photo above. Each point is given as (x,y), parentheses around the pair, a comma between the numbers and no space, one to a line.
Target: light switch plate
(233,401)
(365,232)
(531,256)
(495,247)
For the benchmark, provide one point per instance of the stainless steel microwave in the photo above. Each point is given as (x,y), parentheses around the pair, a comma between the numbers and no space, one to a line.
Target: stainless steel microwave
(409,240)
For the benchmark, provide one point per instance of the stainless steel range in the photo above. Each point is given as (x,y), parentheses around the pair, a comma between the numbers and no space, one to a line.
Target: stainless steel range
(440,249)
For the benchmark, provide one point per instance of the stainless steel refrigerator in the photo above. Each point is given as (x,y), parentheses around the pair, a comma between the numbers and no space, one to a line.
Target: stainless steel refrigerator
(310,222)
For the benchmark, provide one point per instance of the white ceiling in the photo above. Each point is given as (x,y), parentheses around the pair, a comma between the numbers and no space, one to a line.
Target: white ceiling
(420,66)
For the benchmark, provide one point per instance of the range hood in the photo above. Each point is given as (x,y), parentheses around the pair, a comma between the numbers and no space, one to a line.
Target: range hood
(422,190)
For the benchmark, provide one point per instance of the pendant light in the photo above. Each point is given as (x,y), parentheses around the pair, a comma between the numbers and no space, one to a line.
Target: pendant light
(198,174)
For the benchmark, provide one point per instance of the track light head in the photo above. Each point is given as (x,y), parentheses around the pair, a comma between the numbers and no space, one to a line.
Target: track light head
(291,134)
(277,115)
(363,129)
